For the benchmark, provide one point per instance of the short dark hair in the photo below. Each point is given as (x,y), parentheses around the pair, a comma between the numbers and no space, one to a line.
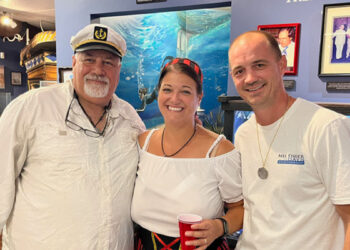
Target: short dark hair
(289,32)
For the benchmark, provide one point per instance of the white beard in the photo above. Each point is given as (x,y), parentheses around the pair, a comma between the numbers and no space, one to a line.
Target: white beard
(96,90)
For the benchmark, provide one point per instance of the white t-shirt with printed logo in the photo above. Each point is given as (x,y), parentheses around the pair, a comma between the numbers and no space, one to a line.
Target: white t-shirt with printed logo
(309,173)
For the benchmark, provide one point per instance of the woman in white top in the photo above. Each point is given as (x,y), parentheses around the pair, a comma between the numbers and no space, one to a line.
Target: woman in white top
(185,168)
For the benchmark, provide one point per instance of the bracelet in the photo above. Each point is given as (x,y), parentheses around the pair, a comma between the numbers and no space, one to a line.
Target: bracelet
(224,223)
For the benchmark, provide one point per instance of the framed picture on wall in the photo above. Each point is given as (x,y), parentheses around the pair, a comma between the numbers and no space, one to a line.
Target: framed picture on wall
(2,77)
(335,41)
(16,78)
(65,74)
(287,36)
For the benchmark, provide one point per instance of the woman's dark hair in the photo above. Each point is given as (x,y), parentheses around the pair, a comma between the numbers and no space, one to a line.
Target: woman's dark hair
(185,66)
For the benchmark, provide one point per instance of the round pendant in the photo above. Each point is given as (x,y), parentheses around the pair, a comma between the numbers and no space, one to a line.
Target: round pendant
(262,173)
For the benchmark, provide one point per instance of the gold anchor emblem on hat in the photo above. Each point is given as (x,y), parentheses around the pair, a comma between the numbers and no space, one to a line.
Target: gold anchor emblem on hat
(100,34)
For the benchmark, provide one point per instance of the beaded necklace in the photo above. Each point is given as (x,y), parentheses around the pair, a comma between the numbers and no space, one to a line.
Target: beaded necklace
(182,147)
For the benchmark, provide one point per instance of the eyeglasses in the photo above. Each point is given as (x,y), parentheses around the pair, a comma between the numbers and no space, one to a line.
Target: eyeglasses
(76,127)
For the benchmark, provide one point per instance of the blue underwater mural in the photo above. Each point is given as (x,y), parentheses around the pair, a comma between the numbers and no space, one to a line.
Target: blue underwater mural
(202,35)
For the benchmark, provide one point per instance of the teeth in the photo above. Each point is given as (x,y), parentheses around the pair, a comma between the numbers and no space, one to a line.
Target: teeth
(95,80)
(250,90)
(174,109)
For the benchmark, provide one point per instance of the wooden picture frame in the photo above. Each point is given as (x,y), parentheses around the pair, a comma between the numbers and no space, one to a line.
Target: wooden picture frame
(65,74)
(334,57)
(16,78)
(2,77)
(149,1)
(287,36)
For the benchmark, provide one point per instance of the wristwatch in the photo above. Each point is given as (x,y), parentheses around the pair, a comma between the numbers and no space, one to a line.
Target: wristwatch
(224,223)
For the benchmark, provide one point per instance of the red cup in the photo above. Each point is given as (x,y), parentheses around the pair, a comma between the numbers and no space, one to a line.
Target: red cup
(185,222)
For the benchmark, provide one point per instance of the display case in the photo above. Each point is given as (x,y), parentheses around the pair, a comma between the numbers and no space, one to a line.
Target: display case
(39,58)
(232,104)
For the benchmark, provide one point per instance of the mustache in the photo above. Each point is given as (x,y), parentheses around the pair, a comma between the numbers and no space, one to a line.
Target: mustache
(95,77)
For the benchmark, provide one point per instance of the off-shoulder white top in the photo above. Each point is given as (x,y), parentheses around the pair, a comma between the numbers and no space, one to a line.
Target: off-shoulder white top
(166,187)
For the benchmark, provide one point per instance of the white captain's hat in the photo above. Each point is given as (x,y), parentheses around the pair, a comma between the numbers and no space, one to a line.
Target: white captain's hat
(98,36)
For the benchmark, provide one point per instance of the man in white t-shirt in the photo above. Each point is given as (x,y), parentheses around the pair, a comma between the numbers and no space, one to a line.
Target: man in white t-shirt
(295,157)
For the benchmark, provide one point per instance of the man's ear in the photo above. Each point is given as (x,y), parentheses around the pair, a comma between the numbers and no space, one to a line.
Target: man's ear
(283,65)
(74,60)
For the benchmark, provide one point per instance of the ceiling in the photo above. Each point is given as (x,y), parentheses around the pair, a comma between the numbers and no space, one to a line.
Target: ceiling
(39,13)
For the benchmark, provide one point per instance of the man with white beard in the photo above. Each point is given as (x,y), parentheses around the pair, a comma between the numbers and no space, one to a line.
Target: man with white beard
(68,155)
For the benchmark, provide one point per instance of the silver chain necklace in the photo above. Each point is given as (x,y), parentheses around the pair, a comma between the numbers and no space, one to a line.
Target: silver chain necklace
(262,171)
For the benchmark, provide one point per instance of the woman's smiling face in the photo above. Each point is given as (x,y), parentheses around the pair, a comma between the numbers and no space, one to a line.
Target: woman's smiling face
(178,99)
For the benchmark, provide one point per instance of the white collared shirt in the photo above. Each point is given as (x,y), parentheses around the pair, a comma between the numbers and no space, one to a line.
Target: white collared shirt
(61,189)
(288,51)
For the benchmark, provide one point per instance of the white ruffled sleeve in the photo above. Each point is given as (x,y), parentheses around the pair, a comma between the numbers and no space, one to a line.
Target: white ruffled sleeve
(228,173)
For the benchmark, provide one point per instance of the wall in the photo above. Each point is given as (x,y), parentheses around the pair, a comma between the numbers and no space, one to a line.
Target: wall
(246,15)
(309,14)
(11,62)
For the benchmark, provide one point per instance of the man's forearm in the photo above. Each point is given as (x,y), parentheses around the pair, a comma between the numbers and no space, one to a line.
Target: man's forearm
(344,212)
(347,239)
(347,236)
(234,216)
